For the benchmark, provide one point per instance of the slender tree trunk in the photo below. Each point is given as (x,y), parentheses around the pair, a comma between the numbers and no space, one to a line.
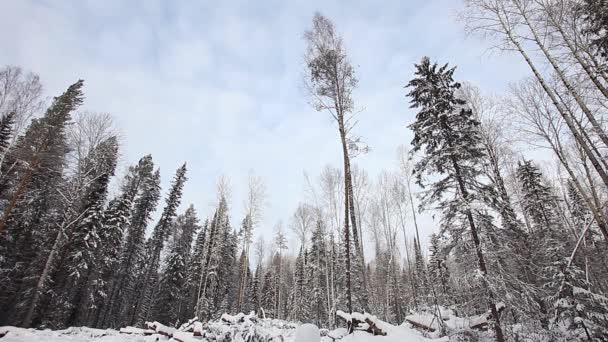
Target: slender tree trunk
(346,219)
(574,50)
(555,102)
(40,285)
(599,130)
(478,249)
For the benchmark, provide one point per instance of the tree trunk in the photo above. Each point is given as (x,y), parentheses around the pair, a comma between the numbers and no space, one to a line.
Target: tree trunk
(475,236)
(556,103)
(599,130)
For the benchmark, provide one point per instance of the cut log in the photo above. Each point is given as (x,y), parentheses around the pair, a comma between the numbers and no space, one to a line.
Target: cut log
(373,328)
(420,325)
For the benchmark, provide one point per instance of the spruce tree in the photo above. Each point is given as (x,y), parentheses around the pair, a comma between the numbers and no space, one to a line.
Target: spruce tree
(538,200)
(81,258)
(268,300)
(29,220)
(447,135)
(119,257)
(132,254)
(155,245)
(318,282)
(596,17)
(6,129)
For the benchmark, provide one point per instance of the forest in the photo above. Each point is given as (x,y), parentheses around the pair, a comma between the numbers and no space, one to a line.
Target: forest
(517,184)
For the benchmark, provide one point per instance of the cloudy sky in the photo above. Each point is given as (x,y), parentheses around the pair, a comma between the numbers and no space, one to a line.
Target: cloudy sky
(218,83)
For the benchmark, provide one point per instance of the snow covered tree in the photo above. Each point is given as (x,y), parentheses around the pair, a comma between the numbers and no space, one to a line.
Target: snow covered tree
(6,129)
(299,308)
(268,300)
(155,244)
(319,276)
(30,214)
(447,134)
(438,270)
(594,13)
(538,201)
(124,284)
(330,79)
(170,305)
(74,278)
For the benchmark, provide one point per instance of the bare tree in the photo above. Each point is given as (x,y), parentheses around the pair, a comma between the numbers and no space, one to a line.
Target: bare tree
(254,204)
(511,22)
(20,93)
(303,221)
(540,121)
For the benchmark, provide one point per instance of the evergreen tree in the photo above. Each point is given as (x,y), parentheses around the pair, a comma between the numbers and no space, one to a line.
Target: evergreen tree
(194,277)
(438,270)
(596,17)
(129,269)
(538,201)
(448,135)
(170,305)
(268,300)
(155,245)
(120,257)
(7,122)
(75,271)
(29,223)
(318,281)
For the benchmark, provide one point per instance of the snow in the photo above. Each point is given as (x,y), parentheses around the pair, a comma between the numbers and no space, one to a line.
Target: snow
(244,328)
(308,333)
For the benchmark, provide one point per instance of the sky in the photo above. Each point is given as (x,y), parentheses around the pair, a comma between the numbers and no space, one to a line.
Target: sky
(218,84)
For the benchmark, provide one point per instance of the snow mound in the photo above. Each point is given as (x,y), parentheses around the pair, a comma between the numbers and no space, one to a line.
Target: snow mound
(308,333)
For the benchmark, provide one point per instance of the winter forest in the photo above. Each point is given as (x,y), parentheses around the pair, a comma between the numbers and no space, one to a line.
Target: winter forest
(516,183)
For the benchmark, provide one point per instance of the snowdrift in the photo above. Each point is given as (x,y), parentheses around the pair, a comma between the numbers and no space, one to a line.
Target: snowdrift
(237,328)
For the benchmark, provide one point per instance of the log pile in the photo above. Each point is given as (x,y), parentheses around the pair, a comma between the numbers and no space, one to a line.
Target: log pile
(240,327)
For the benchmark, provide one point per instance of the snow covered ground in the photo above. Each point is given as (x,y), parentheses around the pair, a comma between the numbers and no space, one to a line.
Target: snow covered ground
(272,328)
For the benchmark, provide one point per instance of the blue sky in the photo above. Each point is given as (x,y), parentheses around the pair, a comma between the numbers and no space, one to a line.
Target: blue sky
(218,83)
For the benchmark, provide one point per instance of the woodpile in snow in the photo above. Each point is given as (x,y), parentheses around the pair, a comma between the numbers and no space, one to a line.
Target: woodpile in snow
(446,318)
(241,327)
(361,321)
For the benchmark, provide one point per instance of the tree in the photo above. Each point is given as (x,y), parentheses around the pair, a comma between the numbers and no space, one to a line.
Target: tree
(124,287)
(447,134)
(155,244)
(74,277)
(7,121)
(268,300)
(29,214)
(331,80)
(594,12)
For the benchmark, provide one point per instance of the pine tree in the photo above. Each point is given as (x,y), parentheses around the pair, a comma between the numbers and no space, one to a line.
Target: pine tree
(268,300)
(6,129)
(538,200)
(300,302)
(318,281)
(195,268)
(75,272)
(120,258)
(253,300)
(34,173)
(594,13)
(132,254)
(448,135)
(438,270)
(155,245)
(581,311)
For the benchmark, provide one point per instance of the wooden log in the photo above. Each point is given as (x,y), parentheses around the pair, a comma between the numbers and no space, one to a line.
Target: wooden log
(373,328)
(420,325)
